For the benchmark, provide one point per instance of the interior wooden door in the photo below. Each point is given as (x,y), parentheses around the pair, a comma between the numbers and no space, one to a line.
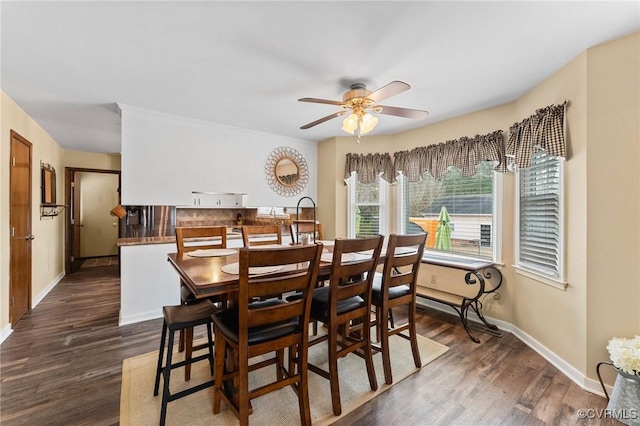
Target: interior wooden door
(20,228)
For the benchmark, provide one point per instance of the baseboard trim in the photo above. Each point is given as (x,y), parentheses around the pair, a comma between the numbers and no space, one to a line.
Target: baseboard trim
(145,316)
(46,290)
(6,332)
(589,385)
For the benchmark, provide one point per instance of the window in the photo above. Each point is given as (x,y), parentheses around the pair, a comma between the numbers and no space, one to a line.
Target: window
(540,217)
(470,202)
(368,207)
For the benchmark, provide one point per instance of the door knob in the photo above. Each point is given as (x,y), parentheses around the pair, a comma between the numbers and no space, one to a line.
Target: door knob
(30,237)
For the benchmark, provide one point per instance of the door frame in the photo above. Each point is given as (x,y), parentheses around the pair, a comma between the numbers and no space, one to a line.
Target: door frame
(69,175)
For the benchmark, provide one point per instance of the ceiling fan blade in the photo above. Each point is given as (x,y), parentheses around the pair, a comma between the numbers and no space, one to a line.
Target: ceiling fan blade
(321,101)
(416,114)
(389,90)
(322,120)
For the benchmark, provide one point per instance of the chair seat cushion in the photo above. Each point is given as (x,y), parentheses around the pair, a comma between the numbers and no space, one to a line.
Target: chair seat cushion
(394,292)
(320,303)
(227,323)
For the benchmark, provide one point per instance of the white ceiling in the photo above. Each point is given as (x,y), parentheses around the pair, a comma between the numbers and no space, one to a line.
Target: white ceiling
(245,64)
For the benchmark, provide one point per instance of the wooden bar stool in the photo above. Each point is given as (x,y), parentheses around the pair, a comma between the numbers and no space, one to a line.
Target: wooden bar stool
(266,329)
(189,239)
(396,286)
(179,318)
(347,301)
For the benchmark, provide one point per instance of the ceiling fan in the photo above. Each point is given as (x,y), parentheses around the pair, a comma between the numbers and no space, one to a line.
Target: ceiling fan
(363,104)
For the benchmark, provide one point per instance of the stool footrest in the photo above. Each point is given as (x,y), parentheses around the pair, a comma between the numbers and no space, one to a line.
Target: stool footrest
(189,391)
(191,361)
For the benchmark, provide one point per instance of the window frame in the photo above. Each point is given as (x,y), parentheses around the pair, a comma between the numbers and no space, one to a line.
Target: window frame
(528,269)
(383,203)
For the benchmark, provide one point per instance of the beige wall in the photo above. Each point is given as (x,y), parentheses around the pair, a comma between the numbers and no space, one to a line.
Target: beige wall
(553,317)
(99,194)
(613,179)
(48,246)
(602,298)
(91,160)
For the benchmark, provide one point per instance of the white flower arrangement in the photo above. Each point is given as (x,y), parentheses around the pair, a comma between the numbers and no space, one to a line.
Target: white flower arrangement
(625,354)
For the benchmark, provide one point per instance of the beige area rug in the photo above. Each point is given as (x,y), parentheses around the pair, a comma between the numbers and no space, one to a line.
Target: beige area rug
(138,406)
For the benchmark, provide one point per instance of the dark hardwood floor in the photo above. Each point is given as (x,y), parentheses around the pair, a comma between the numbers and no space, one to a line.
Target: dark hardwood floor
(62,366)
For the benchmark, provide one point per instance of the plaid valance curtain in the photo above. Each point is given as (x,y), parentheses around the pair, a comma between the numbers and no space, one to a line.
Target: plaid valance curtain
(543,130)
(464,153)
(369,166)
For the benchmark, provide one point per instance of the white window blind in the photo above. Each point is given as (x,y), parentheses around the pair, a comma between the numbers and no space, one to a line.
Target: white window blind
(368,205)
(540,216)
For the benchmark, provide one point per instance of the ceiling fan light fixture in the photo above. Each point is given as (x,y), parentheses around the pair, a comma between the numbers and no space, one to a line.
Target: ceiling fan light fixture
(350,124)
(367,123)
(361,105)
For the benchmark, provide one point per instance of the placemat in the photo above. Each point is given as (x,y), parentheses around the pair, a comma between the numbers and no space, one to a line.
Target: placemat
(211,253)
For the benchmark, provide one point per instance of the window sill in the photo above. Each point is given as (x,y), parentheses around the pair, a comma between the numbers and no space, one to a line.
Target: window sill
(560,285)
(455,261)
(439,255)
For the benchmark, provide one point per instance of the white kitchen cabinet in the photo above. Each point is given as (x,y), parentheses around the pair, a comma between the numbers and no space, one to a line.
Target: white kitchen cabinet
(218,199)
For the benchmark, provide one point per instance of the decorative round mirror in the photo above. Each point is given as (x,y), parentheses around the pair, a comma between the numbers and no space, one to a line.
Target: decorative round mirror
(287,171)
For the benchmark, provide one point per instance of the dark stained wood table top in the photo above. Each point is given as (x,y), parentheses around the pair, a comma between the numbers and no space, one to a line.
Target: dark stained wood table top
(204,275)
(205,278)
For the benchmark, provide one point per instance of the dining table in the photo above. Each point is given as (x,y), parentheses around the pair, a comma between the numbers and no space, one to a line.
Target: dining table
(204,274)
(203,271)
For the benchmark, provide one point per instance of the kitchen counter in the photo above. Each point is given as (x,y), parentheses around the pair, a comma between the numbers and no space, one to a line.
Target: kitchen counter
(171,239)
(164,239)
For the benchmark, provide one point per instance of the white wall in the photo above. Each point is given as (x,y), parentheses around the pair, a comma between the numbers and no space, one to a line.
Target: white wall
(165,157)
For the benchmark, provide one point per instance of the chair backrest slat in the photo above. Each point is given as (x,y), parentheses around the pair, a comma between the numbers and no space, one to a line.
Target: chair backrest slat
(268,234)
(200,238)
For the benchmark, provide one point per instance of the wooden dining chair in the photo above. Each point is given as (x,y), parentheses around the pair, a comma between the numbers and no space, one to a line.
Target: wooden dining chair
(258,235)
(189,239)
(394,287)
(344,302)
(251,329)
(298,227)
